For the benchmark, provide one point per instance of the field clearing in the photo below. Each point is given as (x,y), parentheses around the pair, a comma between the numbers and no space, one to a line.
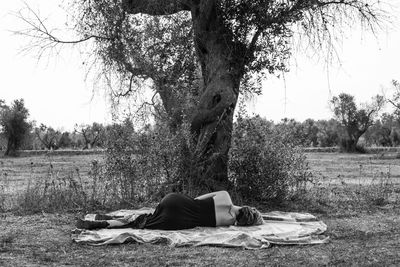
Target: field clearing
(328,168)
(338,168)
(17,173)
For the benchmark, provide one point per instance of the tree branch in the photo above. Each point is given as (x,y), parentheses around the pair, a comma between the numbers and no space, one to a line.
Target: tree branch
(155,7)
(365,10)
(394,104)
(43,38)
(249,54)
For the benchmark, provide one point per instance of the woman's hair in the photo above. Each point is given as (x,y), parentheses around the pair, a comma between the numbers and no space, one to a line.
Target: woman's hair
(249,216)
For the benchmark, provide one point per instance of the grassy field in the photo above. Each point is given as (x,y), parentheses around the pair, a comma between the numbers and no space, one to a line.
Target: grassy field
(366,235)
(16,173)
(332,168)
(336,168)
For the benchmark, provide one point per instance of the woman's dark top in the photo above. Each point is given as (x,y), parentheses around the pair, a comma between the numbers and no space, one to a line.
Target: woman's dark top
(177,211)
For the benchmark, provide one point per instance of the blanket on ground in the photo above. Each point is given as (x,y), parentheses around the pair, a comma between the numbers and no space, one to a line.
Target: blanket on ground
(280,228)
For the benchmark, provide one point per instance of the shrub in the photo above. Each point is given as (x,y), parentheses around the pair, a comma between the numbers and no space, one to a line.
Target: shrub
(147,164)
(264,165)
(142,166)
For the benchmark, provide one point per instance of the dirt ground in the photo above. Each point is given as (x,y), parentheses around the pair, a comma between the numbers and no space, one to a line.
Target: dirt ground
(362,239)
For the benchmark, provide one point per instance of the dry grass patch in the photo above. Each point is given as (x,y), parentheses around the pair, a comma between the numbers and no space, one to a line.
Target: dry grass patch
(44,240)
(17,173)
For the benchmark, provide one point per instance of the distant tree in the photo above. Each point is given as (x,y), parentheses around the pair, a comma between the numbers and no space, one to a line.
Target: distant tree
(65,140)
(49,137)
(118,135)
(300,133)
(29,140)
(328,133)
(93,135)
(258,122)
(355,121)
(384,132)
(310,132)
(392,123)
(14,124)
(292,131)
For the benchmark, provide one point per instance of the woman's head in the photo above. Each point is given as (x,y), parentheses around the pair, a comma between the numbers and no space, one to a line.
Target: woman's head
(249,216)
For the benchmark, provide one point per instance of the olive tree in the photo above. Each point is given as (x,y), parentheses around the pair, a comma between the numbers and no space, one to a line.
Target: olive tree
(199,55)
(92,135)
(355,121)
(384,132)
(48,137)
(14,124)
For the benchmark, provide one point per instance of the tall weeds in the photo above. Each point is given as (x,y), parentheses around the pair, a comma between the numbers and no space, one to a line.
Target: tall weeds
(341,194)
(55,192)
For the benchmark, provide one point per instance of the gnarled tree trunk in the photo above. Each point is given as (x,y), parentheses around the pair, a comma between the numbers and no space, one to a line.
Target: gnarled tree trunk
(212,123)
(213,120)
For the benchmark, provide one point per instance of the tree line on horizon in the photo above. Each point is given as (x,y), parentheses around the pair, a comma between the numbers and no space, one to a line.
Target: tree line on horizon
(18,133)
(351,128)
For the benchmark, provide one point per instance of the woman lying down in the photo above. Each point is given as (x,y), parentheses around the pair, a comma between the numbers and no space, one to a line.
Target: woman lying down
(177,211)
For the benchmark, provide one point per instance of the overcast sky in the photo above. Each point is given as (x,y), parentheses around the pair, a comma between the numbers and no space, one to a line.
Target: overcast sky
(56,93)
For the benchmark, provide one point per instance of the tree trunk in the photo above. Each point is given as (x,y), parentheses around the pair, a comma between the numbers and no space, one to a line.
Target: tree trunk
(212,123)
(11,149)
(173,107)
(222,68)
(352,142)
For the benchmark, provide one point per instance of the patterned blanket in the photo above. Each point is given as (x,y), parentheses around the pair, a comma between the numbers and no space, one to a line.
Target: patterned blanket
(284,228)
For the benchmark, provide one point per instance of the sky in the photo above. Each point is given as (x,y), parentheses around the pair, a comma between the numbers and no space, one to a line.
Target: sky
(56,92)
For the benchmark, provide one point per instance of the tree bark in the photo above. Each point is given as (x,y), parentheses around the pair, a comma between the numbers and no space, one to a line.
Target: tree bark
(353,137)
(171,104)
(212,123)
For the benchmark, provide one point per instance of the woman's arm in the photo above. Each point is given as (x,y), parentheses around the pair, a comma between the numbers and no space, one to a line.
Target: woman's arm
(212,194)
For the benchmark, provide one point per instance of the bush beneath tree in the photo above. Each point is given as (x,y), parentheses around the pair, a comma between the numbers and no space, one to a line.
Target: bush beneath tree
(144,166)
(265,165)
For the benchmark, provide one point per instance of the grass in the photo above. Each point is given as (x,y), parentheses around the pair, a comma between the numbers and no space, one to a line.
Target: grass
(370,238)
(17,173)
(353,182)
(355,195)
(46,182)
(336,168)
